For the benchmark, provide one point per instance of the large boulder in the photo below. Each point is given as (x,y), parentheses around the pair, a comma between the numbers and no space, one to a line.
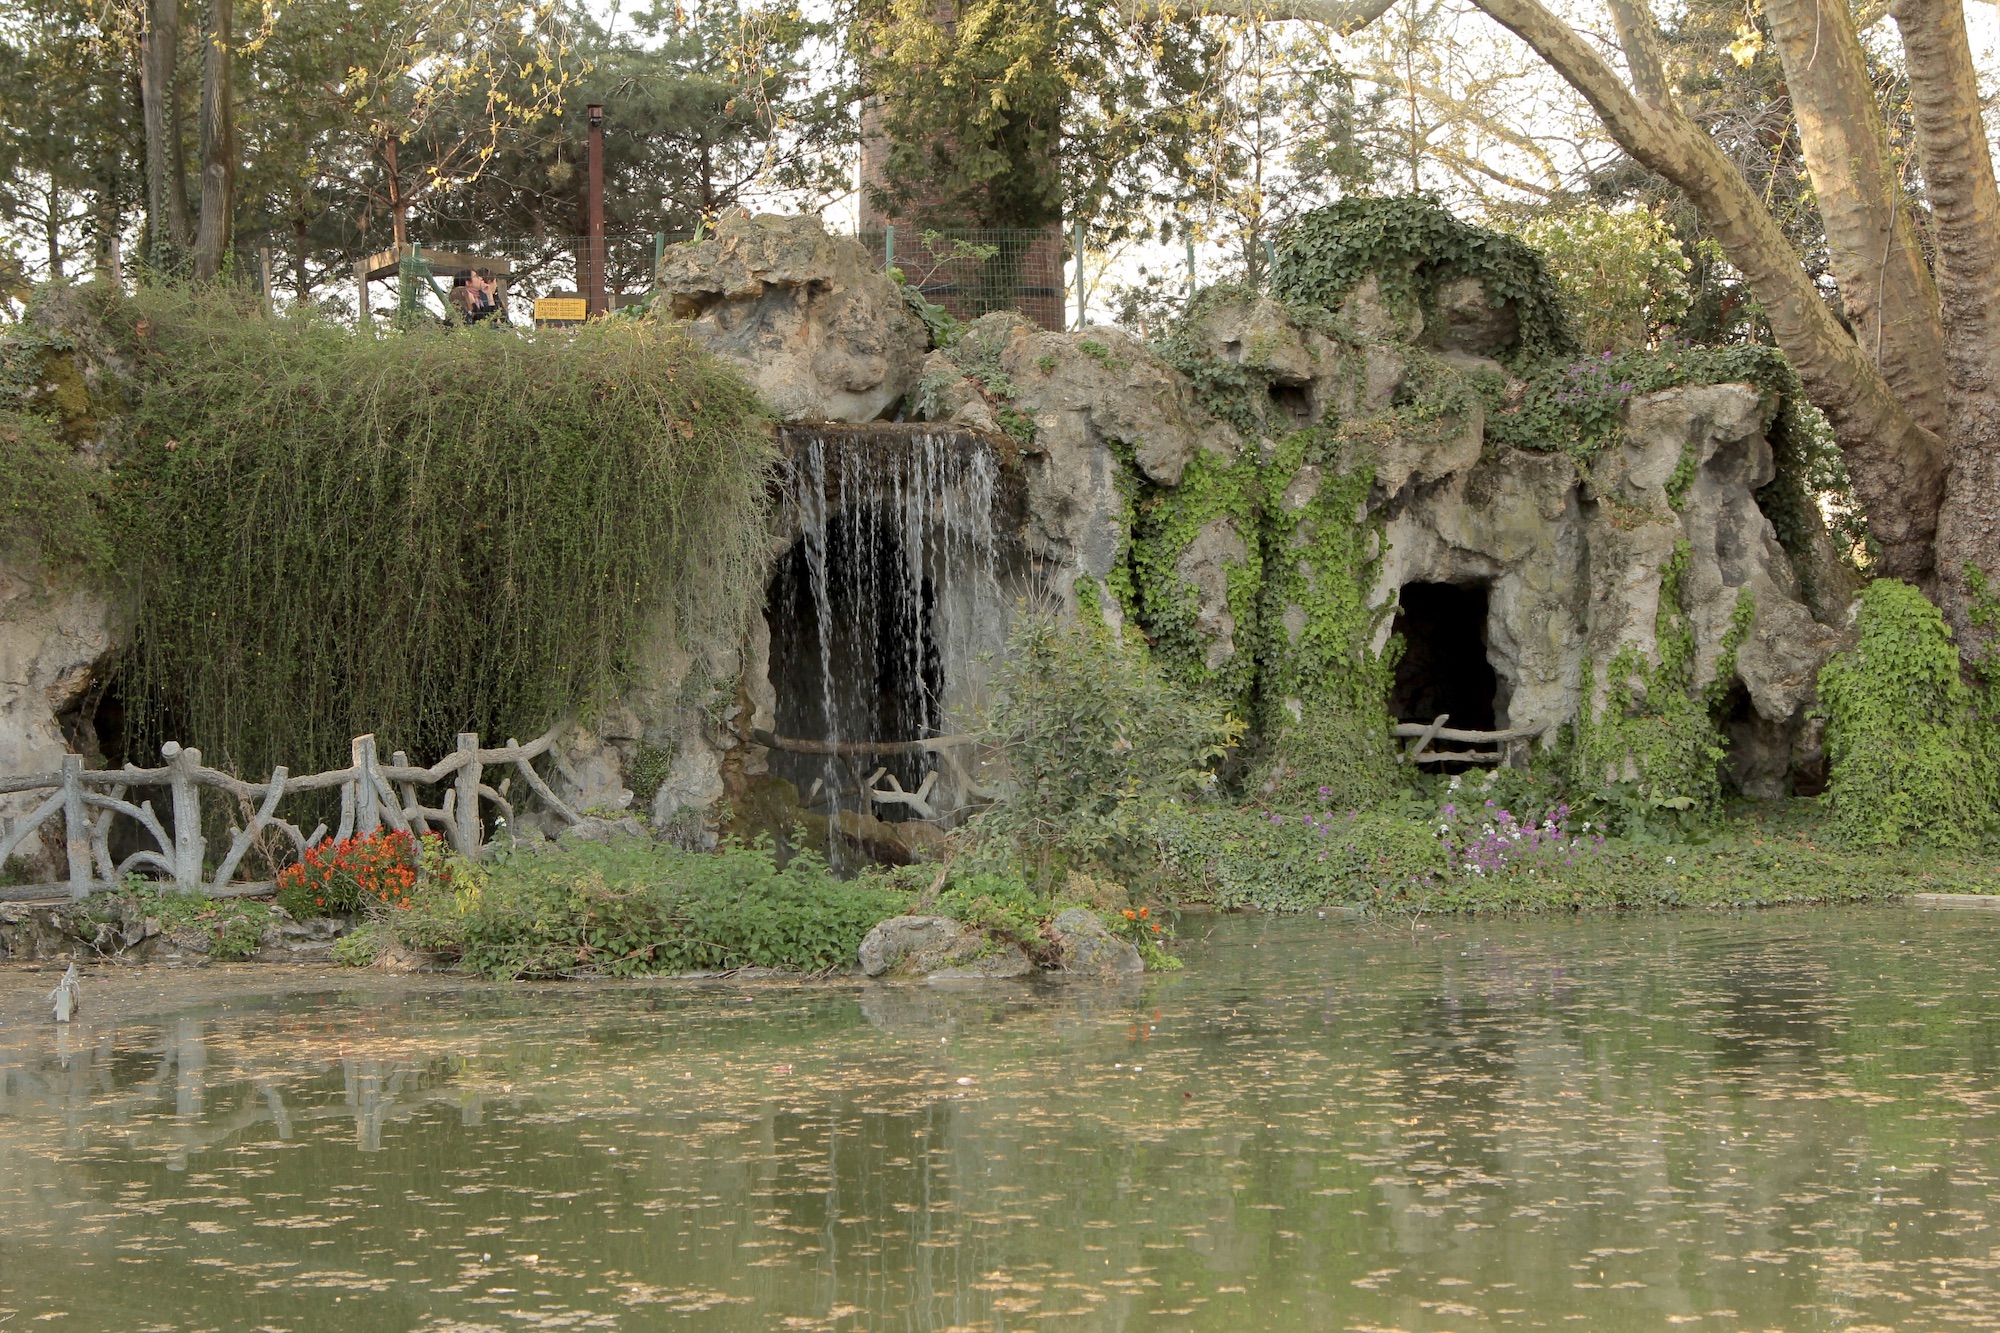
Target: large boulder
(821,333)
(908,944)
(1089,949)
(55,632)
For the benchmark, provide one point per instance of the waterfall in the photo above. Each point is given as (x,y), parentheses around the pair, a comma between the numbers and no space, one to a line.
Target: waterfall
(883,611)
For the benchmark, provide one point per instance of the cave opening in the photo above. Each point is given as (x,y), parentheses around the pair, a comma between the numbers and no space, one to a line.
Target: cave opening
(1444,667)
(854,658)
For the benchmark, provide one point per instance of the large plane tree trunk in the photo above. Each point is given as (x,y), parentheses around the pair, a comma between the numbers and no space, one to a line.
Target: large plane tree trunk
(1897,462)
(1965,222)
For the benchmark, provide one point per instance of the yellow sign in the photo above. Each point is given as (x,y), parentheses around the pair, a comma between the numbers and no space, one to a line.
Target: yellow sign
(549,309)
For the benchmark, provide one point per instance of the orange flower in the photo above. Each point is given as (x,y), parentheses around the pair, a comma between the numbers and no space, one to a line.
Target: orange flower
(1131,915)
(1143,912)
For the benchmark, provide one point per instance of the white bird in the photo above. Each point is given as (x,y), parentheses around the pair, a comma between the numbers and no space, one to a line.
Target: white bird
(64,996)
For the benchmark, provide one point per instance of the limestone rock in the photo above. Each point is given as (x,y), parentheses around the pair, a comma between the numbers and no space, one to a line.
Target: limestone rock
(1009,960)
(1367,315)
(1259,334)
(1087,394)
(1204,566)
(54,633)
(1089,949)
(594,828)
(1473,321)
(820,332)
(908,944)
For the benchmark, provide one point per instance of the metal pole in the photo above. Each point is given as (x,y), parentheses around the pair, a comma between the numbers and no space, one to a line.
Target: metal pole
(888,246)
(1080,295)
(264,262)
(659,257)
(594,227)
(1190,250)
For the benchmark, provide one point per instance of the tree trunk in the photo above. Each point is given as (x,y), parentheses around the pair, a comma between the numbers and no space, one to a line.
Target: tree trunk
(1885,286)
(1897,464)
(218,142)
(398,208)
(1965,218)
(166,198)
(52,231)
(301,284)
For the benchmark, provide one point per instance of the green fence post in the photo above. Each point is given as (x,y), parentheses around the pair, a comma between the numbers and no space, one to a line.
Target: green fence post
(659,256)
(888,246)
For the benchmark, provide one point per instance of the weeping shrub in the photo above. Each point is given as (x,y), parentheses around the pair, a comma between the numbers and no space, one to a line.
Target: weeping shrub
(416,534)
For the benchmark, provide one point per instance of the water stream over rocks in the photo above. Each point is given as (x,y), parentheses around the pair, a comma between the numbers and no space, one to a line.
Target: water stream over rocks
(882,610)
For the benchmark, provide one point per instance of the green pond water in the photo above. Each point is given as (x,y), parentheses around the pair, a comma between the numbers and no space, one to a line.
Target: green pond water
(1784,1120)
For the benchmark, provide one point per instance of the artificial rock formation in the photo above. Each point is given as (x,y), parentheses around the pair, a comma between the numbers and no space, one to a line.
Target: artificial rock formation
(820,334)
(1573,557)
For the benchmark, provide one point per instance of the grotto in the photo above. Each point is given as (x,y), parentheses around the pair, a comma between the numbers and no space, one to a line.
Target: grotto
(1268,497)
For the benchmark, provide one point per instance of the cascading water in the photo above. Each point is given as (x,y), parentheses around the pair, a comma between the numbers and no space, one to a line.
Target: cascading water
(881,612)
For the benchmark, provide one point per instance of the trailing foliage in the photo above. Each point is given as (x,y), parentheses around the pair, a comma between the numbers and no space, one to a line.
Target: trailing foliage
(1654,727)
(1217,501)
(1414,247)
(632,907)
(1909,761)
(1095,737)
(420,534)
(1323,689)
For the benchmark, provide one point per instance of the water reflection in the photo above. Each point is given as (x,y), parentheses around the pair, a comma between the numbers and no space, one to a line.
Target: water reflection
(1774,1121)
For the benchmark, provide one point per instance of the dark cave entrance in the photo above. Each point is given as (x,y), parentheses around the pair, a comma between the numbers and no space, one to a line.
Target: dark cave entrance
(1444,668)
(854,657)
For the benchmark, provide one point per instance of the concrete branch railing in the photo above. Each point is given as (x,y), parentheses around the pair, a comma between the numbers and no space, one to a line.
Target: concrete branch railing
(1421,734)
(372,794)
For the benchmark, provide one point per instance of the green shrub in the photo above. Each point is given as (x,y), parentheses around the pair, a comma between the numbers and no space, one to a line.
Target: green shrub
(1095,737)
(361,946)
(1292,862)
(631,907)
(1907,757)
(1621,273)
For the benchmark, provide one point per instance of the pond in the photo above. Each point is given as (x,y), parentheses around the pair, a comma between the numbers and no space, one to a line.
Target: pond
(1783,1120)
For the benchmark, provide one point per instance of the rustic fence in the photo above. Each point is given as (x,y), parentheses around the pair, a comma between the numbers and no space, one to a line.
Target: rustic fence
(372,795)
(1509,747)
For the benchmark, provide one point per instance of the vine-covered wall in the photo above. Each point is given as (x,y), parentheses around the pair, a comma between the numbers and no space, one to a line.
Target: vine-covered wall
(1309,502)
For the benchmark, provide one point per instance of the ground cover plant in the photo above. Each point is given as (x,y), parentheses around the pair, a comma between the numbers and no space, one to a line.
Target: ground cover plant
(629,907)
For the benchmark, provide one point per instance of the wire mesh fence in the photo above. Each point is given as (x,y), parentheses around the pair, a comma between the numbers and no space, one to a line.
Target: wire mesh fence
(969,271)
